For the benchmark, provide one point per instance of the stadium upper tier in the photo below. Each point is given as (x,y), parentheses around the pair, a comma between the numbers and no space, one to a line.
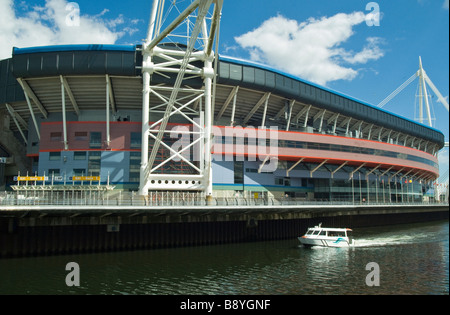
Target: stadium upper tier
(292,103)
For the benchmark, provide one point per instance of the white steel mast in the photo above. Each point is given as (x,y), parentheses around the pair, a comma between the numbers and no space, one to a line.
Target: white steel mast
(424,80)
(179,99)
(423,93)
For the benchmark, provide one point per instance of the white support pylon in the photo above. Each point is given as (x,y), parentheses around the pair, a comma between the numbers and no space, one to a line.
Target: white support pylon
(178,100)
(424,80)
(423,93)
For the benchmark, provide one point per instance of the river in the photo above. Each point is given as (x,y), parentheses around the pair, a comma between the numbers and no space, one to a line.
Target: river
(411,259)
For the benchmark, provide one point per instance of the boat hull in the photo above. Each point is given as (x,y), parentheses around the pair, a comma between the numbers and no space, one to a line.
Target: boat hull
(325,242)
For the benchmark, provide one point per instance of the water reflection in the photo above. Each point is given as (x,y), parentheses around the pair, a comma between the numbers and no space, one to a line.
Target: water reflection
(413,259)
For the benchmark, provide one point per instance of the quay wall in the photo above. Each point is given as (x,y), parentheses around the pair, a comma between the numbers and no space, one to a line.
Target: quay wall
(57,230)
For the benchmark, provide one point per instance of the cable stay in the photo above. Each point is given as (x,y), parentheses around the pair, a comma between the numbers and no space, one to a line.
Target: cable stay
(424,80)
(398,90)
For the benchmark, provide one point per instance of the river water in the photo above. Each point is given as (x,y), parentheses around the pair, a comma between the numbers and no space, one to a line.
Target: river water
(412,259)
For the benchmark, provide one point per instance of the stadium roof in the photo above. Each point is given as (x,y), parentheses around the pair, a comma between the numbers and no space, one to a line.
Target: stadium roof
(84,67)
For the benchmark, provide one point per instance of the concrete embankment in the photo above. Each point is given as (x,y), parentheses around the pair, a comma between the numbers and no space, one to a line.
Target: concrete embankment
(50,230)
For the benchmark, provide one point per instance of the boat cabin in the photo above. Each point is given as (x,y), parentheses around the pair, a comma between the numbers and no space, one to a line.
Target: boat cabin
(329,232)
(329,237)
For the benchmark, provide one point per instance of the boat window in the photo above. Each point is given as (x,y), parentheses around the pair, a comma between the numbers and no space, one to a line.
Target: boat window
(316,232)
(310,231)
(336,234)
(323,233)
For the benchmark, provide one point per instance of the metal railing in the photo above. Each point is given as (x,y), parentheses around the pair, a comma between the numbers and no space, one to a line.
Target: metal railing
(166,199)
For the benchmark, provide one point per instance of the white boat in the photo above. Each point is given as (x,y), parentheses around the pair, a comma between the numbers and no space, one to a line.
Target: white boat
(327,237)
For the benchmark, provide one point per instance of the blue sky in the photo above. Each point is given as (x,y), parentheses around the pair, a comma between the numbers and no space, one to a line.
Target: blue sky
(325,41)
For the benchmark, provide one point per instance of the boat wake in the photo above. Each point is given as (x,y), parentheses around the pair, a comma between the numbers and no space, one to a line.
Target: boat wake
(389,240)
(381,241)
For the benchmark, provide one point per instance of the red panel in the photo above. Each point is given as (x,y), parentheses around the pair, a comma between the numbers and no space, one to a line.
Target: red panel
(119,133)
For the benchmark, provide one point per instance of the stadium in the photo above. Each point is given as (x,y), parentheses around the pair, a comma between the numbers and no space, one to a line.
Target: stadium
(74,113)
(170,115)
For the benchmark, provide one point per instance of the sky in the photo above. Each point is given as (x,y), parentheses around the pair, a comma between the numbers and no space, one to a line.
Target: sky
(365,49)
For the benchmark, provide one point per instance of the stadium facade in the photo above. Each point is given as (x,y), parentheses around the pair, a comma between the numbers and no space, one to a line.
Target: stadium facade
(75,112)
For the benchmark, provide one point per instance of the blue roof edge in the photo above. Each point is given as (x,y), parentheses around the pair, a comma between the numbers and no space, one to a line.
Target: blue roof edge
(269,68)
(82,47)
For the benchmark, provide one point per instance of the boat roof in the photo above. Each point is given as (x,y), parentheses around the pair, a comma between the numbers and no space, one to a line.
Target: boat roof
(330,229)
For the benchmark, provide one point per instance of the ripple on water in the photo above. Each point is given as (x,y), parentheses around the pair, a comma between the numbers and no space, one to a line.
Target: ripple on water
(413,259)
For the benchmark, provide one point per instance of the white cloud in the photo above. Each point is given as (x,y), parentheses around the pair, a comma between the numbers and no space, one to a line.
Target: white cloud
(47,25)
(371,51)
(311,49)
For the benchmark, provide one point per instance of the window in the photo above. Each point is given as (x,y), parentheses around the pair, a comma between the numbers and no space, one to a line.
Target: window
(79,156)
(135,165)
(283,181)
(55,136)
(55,156)
(135,161)
(94,163)
(79,172)
(239,172)
(95,140)
(134,177)
(81,136)
(135,142)
(310,232)
(227,140)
